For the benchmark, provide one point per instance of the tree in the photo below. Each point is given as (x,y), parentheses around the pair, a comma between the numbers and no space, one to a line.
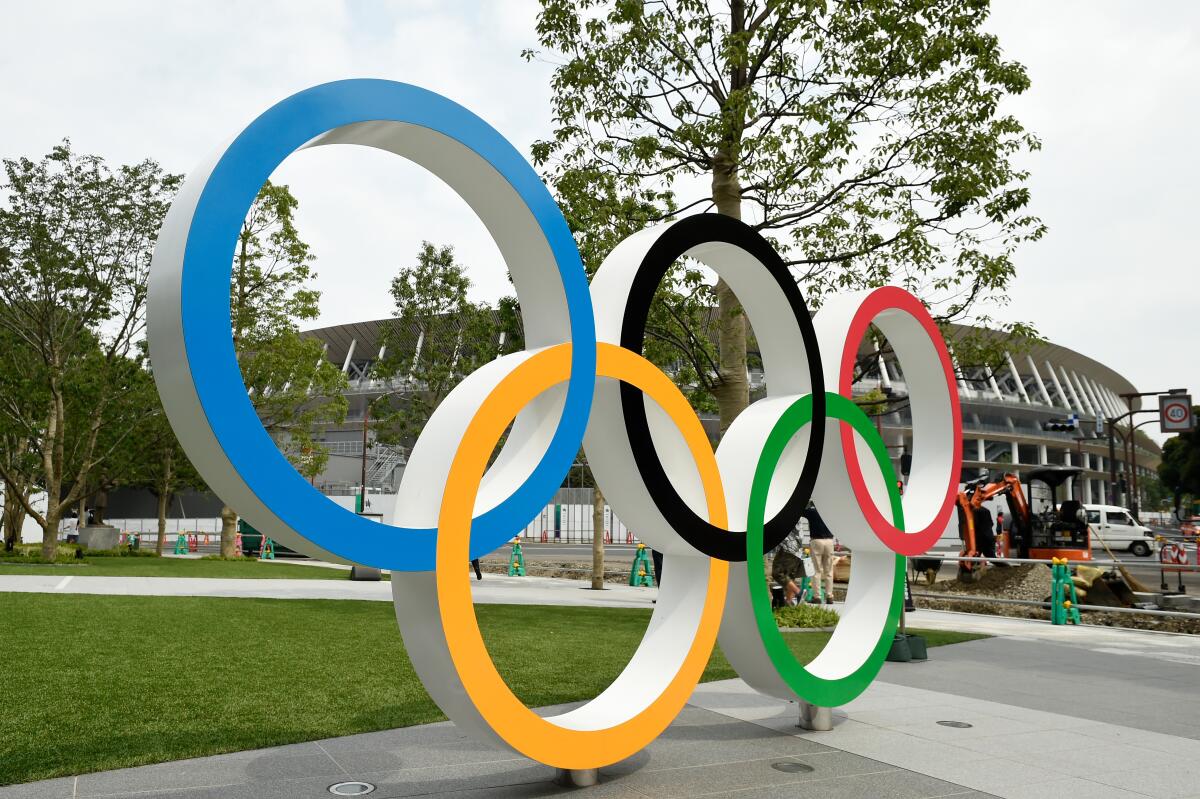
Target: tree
(295,390)
(863,138)
(164,469)
(1179,470)
(78,238)
(22,397)
(437,338)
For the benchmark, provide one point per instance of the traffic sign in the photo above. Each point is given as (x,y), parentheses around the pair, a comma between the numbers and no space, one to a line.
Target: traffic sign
(1175,413)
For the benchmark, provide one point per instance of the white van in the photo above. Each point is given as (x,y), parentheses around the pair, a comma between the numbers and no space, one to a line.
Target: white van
(1119,530)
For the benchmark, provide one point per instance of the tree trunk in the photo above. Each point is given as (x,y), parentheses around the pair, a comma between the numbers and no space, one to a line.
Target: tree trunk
(50,531)
(597,540)
(164,501)
(14,517)
(164,497)
(732,391)
(229,520)
(51,470)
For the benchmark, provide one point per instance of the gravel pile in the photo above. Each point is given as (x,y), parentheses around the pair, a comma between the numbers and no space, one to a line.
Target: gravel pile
(1029,581)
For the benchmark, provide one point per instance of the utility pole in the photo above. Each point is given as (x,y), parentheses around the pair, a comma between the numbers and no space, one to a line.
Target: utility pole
(1111,423)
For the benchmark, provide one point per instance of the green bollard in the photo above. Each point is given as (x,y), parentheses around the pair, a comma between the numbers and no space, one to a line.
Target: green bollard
(642,573)
(516,561)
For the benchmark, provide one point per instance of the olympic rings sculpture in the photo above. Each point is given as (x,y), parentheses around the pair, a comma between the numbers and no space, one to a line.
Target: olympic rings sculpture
(581,380)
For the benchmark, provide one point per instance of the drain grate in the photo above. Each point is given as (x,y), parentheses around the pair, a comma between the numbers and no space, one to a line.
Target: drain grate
(351,788)
(792,767)
(962,725)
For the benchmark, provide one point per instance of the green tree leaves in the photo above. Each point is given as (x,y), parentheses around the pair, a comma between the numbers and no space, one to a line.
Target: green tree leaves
(295,390)
(866,139)
(1179,470)
(437,338)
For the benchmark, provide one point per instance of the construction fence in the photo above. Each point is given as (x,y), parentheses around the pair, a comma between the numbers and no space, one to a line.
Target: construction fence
(566,520)
(569,520)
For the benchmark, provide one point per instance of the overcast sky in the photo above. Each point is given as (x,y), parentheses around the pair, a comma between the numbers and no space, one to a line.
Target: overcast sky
(1115,99)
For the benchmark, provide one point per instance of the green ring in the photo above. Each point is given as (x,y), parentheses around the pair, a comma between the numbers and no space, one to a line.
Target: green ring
(817,690)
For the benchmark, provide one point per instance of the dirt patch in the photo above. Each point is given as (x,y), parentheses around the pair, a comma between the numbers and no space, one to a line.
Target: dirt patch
(568,569)
(1095,617)
(1029,581)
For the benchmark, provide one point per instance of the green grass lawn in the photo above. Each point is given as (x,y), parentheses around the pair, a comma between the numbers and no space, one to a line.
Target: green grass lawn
(179,567)
(102,682)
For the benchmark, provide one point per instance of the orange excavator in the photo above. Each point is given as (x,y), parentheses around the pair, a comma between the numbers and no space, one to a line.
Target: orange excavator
(1061,531)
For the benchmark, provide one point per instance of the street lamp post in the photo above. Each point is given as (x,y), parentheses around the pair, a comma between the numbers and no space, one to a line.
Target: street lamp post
(1112,421)
(1131,459)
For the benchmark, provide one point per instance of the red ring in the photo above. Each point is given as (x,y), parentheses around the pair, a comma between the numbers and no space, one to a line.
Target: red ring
(902,543)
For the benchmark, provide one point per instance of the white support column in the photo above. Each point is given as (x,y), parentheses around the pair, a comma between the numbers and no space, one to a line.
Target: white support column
(1122,406)
(1087,394)
(1037,376)
(1101,398)
(417,354)
(981,450)
(1071,390)
(963,388)
(1012,367)
(1016,453)
(1043,454)
(1062,395)
(995,387)
(349,355)
(884,377)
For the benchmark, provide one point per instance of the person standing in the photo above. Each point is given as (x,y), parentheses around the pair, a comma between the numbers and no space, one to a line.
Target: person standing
(787,565)
(821,545)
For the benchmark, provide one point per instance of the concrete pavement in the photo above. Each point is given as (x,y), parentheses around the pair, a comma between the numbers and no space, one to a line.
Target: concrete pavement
(1036,711)
(492,589)
(895,740)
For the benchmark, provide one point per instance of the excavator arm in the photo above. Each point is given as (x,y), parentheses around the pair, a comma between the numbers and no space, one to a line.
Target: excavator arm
(974,496)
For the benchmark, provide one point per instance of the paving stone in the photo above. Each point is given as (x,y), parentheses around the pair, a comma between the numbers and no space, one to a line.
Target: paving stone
(1170,780)
(45,789)
(1072,786)
(730,776)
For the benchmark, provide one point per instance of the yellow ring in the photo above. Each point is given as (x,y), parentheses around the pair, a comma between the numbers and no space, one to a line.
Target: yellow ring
(521,728)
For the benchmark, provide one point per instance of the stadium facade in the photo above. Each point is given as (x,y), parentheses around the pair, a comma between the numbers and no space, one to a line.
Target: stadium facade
(1007,413)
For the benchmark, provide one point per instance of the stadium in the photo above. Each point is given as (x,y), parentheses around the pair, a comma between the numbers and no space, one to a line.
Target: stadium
(1013,420)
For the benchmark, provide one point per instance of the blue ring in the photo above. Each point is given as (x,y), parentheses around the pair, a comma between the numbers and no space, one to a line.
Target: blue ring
(207,270)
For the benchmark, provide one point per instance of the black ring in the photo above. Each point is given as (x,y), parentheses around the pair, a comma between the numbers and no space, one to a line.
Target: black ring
(676,240)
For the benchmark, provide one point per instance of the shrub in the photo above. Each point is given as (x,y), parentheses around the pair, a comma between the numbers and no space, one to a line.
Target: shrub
(805,616)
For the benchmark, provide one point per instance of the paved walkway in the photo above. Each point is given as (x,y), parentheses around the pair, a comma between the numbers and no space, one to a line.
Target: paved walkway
(729,742)
(492,589)
(1052,712)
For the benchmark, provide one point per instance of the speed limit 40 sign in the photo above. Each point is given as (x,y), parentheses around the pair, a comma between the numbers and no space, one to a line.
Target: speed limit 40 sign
(1175,413)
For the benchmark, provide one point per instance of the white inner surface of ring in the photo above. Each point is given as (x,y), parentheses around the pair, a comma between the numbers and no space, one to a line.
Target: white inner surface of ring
(607,442)
(868,595)
(933,466)
(538,284)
